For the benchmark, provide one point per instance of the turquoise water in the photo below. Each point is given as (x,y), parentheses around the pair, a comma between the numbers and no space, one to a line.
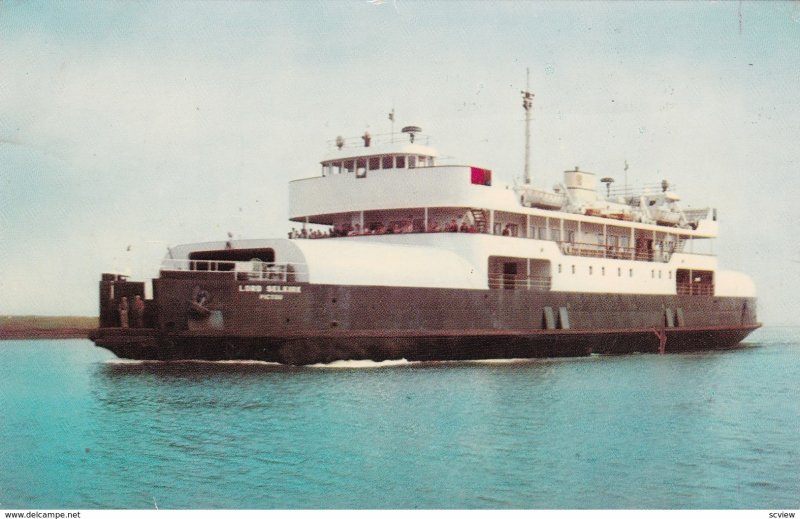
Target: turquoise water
(81,429)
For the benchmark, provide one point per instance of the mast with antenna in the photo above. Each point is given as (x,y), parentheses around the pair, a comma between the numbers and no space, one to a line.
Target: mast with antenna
(626,178)
(527,104)
(391,118)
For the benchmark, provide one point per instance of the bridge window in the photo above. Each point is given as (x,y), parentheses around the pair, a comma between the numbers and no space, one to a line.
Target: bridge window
(374,163)
(412,161)
(400,161)
(331,168)
(388,162)
(361,168)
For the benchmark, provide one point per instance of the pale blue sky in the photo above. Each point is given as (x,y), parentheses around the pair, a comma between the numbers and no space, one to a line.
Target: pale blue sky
(151,124)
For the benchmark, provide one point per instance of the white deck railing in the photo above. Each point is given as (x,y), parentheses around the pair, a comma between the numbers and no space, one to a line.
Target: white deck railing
(242,270)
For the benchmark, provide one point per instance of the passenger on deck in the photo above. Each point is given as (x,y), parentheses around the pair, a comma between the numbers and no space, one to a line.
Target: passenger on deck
(452,226)
(464,227)
(507,230)
(123,312)
(138,312)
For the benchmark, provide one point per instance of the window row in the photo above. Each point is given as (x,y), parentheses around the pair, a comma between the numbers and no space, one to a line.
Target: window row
(653,273)
(363,164)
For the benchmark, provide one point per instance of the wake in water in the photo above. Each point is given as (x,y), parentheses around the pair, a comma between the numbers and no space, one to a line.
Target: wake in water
(339,364)
(362,364)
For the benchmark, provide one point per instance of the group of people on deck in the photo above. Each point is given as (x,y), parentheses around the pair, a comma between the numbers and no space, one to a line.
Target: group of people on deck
(379,228)
(125,310)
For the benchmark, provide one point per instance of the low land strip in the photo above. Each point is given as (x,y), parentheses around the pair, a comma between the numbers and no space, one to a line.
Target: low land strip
(45,327)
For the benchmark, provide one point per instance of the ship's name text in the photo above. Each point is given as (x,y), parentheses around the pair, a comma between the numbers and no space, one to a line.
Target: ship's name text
(273,289)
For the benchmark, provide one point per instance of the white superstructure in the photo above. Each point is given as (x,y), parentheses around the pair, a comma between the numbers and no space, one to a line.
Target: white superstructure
(392,216)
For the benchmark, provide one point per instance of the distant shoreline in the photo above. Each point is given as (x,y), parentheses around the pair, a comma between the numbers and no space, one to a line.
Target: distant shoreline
(14,327)
(38,333)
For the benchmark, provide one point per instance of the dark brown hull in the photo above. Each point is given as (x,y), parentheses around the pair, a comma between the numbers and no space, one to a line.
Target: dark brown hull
(308,324)
(451,345)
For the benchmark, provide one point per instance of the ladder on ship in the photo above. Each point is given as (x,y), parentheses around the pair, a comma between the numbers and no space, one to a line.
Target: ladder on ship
(479,216)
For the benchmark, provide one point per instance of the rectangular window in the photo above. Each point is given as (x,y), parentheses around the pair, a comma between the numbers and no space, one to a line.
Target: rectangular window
(388,162)
(374,163)
(349,166)
(412,161)
(510,229)
(400,162)
(361,168)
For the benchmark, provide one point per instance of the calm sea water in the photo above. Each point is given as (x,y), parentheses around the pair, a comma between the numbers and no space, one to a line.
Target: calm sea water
(80,429)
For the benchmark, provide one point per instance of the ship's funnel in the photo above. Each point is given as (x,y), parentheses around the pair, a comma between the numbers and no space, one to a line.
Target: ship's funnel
(582,185)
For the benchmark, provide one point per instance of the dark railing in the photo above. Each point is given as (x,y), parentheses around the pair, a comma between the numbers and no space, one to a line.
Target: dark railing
(520,282)
(695,289)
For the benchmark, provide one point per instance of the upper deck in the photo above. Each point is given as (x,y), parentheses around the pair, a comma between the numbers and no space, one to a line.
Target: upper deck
(393,182)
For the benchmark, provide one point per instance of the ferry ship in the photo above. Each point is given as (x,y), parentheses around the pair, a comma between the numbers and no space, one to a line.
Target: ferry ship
(396,256)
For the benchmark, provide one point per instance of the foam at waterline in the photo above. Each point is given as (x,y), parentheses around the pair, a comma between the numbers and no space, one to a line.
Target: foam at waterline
(361,364)
(131,362)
